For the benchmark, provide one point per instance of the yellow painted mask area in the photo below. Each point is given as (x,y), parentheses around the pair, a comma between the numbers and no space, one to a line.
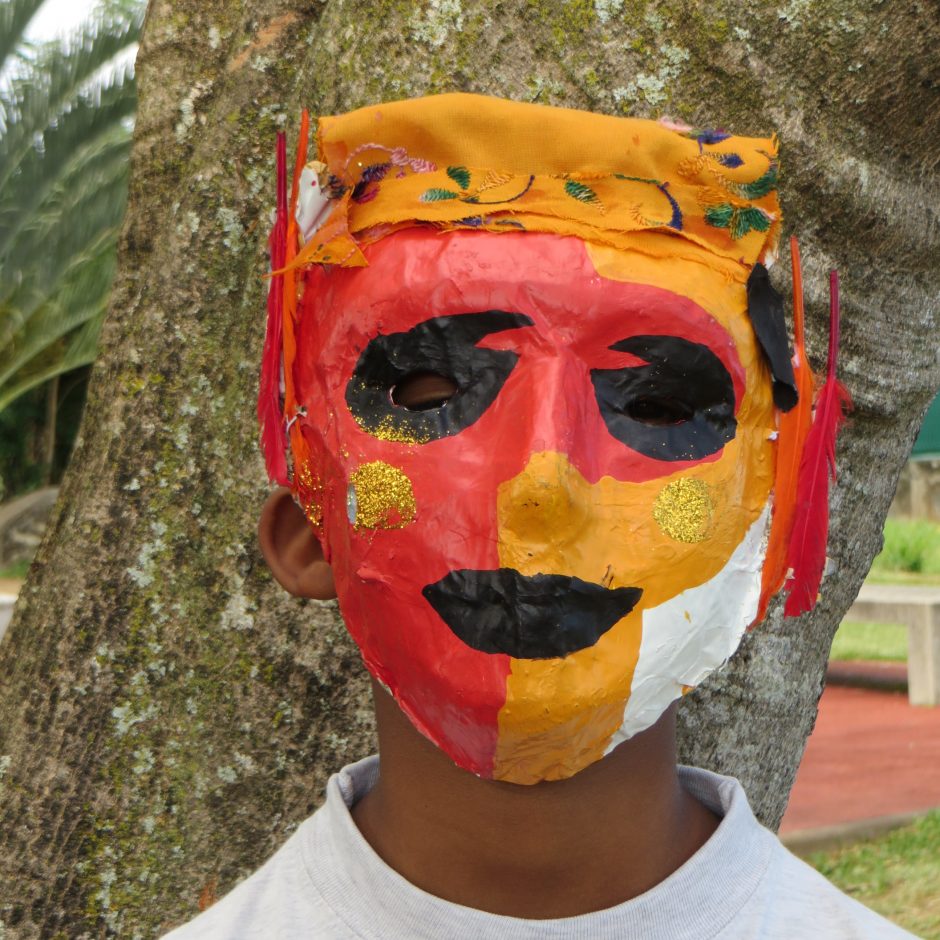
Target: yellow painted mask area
(663,535)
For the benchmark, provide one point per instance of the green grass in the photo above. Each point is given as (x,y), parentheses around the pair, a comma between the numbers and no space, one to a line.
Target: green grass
(15,571)
(911,555)
(878,641)
(911,545)
(896,875)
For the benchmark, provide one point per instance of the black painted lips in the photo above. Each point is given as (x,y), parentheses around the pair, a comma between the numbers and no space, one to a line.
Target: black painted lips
(540,616)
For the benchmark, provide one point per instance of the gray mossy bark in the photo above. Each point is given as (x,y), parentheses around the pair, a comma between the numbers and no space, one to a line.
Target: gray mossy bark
(167,715)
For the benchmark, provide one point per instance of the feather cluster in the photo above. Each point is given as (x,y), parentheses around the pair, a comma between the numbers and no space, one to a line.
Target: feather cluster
(793,427)
(806,554)
(796,547)
(276,404)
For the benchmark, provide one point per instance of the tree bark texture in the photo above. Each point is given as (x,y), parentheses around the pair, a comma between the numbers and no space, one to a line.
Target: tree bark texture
(167,714)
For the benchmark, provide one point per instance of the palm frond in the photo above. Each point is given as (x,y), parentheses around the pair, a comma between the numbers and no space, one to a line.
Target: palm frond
(71,353)
(65,129)
(82,296)
(15,16)
(85,134)
(59,75)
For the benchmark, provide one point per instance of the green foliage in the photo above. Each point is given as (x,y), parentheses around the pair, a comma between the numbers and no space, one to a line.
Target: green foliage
(15,572)
(66,114)
(23,435)
(896,874)
(911,545)
(870,641)
(460,175)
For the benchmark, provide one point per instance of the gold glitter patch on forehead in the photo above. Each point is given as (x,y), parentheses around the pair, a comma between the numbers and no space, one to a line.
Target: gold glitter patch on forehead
(683,510)
(380,496)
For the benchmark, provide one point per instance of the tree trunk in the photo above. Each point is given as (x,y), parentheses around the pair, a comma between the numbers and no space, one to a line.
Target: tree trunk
(167,714)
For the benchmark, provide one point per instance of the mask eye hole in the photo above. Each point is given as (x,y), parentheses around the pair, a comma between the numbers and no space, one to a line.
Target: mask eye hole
(423,391)
(676,403)
(660,412)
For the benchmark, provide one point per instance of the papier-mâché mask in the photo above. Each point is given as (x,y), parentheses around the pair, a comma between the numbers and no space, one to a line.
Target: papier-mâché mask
(569,530)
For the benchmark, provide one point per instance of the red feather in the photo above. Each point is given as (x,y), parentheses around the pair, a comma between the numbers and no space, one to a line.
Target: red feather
(270,407)
(807,550)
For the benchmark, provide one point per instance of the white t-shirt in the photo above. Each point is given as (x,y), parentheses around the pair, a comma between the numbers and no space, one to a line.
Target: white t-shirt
(326,882)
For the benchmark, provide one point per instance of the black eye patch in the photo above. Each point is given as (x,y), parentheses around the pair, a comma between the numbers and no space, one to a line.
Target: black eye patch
(678,405)
(447,347)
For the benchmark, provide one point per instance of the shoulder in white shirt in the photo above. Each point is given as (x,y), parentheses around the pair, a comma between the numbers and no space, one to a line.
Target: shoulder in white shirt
(326,882)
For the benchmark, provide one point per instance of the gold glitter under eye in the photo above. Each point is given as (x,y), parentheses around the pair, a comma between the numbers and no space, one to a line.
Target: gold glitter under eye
(683,510)
(380,497)
(387,430)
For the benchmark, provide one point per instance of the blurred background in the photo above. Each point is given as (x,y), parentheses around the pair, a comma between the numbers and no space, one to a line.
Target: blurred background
(863,808)
(67,103)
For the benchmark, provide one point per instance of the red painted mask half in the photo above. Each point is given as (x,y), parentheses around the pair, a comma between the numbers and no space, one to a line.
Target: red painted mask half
(542,472)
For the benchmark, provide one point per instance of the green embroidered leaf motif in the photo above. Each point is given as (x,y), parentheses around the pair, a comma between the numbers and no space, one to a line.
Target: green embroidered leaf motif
(739,221)
(747,220)
(460,175)
(720,216)
(761,186)
(438,195)
(581,192)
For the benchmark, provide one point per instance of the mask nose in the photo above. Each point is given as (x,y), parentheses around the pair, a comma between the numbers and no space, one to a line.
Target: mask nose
(563,419)
(542,509)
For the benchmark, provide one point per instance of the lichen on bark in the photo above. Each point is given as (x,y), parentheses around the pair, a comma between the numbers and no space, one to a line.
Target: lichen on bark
(167,715)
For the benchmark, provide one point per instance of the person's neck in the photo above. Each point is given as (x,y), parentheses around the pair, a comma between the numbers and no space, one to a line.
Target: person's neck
(556,849)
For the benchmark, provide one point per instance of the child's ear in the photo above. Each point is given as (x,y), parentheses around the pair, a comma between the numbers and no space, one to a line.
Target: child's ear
(292,550)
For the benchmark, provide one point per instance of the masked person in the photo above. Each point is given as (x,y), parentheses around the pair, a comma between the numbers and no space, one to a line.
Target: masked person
(525,385)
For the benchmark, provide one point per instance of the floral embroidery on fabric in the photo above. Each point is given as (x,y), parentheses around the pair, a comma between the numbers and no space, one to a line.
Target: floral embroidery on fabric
(398,157)
(676,220)
(462,176)
(583,193)
(738,220)
(599,178)
(704,137)
(730,160)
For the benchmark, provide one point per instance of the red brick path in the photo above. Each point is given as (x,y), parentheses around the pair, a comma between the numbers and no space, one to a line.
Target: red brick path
(870,754)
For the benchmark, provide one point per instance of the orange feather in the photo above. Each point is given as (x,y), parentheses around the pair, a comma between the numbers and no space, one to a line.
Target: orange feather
(792,428)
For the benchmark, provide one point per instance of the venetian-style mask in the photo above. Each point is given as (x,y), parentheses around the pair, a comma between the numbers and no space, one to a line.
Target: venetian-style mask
(531,413)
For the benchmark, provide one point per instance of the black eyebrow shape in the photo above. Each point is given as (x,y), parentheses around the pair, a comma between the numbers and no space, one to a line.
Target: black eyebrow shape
(444,345)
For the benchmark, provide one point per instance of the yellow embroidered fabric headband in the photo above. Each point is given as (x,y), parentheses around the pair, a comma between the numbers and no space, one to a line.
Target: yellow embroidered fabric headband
(462,161)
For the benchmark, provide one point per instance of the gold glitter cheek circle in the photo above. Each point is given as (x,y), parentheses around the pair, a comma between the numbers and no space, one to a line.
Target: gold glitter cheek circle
(683,510)
(380,496)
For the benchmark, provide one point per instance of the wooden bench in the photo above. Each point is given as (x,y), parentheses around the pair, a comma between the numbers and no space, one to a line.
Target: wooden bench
(918,609)
(6,611)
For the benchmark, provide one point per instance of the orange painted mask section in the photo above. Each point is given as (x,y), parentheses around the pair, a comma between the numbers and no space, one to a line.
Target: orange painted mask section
(568,514)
